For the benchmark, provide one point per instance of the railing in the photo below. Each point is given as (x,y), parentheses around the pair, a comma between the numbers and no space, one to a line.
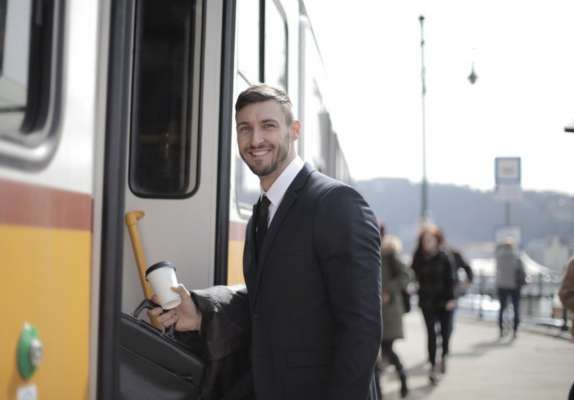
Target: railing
(540,304)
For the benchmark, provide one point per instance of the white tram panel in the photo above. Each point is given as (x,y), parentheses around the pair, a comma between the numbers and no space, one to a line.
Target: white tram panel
(72,165)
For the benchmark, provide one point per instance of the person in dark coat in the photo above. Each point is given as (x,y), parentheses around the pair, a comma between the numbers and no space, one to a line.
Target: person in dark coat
(510,277)
(312,270)
(433,272)
(396,277)
(566,294)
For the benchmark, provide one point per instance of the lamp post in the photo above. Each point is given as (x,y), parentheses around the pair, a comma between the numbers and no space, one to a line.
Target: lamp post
(568,129)
(424,183)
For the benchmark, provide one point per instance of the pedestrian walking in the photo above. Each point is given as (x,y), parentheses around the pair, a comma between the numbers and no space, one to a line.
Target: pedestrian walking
(566,294)
(396,277)
(510,277)
(433,273)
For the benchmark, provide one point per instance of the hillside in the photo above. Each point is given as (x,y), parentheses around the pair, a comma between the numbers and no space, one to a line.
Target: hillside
(467,216)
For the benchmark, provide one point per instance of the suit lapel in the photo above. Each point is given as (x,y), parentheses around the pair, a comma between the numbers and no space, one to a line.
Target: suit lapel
(288,200)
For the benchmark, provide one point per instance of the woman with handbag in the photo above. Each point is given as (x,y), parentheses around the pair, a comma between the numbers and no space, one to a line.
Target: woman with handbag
(396,277)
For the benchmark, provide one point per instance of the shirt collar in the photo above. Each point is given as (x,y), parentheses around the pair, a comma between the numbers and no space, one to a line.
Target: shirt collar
(279,187)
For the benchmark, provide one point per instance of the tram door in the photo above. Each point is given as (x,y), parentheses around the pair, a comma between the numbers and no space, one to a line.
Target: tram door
(172,151)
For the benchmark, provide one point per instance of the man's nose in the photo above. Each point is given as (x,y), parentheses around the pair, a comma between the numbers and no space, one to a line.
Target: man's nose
(256,137)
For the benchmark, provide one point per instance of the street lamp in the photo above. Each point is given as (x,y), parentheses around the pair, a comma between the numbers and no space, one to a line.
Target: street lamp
(570,129)
(424,184)
(473,77)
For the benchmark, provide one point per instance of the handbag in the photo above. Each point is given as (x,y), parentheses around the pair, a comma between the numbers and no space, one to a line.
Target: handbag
(406,297)
(153,365)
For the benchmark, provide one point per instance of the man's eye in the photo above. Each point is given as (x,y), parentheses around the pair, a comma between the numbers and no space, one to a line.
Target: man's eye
(269,126)
(244,130)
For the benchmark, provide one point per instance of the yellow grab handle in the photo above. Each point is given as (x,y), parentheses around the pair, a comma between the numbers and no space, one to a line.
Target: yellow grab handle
(132,218)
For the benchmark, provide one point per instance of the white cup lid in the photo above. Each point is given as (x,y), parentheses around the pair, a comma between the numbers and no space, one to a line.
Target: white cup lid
(159,265)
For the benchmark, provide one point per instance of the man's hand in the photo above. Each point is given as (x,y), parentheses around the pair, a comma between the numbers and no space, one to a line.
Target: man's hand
(186,316)
(450,305)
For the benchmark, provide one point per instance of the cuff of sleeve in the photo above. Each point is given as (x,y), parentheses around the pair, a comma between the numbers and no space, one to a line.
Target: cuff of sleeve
(206,310)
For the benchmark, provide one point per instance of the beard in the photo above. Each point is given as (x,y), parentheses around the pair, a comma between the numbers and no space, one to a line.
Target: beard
(261,169)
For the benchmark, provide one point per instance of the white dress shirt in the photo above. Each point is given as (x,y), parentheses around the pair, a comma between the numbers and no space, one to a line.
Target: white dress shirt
(279,187)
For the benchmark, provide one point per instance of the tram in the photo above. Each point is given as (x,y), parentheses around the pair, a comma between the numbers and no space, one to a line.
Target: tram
(112,106)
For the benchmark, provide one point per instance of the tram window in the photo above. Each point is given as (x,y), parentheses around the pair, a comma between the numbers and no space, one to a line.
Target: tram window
(248,39)
(30,54)
(314,141)
(276,45)
(14,58)
(164,130)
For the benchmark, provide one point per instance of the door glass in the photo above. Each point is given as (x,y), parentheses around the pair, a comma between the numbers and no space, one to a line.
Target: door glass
(275,46)
(163,161)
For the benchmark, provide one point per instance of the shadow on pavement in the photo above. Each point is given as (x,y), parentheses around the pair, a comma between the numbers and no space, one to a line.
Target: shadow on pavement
(481,348)
(420,392)
(420,369)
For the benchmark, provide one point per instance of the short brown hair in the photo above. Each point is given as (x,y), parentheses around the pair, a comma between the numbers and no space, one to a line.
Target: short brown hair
(262,92)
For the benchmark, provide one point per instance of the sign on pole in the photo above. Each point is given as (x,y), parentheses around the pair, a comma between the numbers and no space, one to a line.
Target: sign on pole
(508,175)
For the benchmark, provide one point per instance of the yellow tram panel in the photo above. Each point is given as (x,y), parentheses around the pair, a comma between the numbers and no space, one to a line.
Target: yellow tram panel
(46,280)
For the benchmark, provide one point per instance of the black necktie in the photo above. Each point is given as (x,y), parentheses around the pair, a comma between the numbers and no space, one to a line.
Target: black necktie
(261,220)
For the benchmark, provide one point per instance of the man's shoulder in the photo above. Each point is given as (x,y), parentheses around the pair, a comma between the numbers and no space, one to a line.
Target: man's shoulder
(320,184)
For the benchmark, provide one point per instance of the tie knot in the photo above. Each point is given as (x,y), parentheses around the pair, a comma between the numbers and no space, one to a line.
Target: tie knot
(264,202)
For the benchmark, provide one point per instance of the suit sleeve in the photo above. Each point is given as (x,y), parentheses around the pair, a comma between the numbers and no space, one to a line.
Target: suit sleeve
(347,245)
(225,325)
(225,337)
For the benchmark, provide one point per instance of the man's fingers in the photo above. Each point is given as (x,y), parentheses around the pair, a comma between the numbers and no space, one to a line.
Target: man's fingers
(166,315)
(167,318)
(155,312)
(170,320)
(181,290)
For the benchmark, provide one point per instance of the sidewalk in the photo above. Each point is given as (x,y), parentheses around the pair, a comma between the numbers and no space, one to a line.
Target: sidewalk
(481,367)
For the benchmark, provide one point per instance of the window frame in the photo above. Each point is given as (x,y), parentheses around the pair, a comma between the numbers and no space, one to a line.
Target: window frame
(262,43)
(33,146)
(192,111)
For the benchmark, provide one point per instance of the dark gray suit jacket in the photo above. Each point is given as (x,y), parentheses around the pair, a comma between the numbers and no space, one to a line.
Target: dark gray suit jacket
(313,300)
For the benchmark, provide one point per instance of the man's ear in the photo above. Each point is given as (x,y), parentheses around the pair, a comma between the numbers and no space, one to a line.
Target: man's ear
(295,130)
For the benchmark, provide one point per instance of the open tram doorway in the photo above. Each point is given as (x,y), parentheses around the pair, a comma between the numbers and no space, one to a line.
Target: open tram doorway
(168,99)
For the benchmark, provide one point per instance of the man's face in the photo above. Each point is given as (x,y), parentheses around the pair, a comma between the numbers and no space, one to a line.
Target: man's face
(264,139)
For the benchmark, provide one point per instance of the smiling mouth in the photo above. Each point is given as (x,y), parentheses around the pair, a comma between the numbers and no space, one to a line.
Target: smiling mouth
(259,152)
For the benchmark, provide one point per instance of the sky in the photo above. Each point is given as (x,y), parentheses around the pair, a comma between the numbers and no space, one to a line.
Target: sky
(523,54)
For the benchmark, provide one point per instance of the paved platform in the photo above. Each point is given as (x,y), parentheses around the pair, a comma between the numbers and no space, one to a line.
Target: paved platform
(482,367)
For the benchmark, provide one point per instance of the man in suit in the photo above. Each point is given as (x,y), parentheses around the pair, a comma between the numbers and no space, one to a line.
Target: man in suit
(311,266)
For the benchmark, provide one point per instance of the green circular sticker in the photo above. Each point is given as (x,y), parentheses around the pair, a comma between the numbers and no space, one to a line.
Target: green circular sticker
(29,351)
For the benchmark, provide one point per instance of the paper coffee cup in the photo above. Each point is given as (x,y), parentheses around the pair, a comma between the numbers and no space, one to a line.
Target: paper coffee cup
(162,278)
